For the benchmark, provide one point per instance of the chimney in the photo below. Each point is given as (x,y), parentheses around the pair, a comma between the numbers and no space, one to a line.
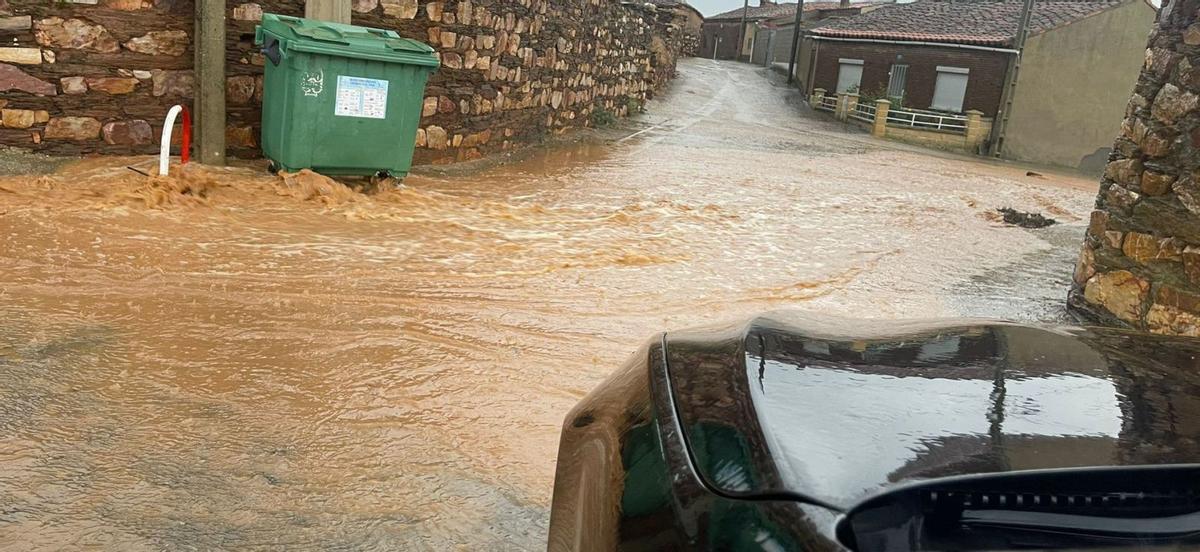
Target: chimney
(762,3)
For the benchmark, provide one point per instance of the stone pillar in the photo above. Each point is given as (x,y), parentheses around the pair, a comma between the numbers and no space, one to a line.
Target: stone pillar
(976,133)
(846,102)
(817,96)
(1140,262)
(879,129)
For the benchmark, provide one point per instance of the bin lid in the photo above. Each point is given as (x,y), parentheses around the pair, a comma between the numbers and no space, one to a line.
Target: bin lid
(336,39)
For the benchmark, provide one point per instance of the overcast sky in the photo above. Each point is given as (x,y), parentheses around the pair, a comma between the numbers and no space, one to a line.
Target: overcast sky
(713,7)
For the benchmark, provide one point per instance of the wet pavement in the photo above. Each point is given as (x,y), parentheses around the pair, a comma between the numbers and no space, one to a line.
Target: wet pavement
(231,360)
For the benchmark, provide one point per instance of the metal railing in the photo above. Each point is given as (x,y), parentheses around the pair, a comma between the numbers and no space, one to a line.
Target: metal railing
(864,112)
(928,121)
(827,103)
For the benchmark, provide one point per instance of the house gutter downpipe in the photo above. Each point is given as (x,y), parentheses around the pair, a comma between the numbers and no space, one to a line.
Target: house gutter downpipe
(917,43)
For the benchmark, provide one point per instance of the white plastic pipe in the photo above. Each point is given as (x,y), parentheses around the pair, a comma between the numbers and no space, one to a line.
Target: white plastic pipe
(164,155)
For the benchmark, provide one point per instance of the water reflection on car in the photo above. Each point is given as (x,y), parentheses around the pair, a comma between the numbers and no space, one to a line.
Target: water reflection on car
(798,432)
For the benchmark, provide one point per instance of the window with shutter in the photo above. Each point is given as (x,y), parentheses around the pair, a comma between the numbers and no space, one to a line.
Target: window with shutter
(849,74)
(950,89)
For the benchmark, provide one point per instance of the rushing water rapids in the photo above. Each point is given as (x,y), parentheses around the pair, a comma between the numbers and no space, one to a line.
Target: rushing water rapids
(226,359)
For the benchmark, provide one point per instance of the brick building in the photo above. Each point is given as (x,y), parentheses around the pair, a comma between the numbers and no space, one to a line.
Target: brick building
(722,31)
(773,37)
(768,29)
(1080,62)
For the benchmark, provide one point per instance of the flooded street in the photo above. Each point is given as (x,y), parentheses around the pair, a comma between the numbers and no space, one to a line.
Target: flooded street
(231,360)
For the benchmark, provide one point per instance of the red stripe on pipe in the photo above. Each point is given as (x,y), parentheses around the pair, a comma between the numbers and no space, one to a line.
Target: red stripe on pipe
(187,137)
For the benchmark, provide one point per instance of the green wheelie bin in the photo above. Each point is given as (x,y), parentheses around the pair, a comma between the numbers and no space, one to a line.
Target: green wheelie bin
(341,99)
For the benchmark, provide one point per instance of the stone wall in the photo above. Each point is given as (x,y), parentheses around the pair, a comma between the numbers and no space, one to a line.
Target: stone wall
(693,27)
(98,76)
(1140,262)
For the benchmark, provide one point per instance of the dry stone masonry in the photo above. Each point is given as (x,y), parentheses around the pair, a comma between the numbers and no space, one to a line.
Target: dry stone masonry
(98,76)
(1140,262)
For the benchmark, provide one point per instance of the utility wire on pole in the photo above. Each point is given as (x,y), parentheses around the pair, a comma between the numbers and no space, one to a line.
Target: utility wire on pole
(742,31)
(1010,80)
(796,32)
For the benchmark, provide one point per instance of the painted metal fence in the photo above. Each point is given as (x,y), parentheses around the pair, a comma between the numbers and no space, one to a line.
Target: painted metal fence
(827,103)
(864,112)
(966,132)
(927,120)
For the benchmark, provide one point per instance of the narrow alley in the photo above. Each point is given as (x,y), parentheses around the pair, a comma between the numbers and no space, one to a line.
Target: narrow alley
(229,359)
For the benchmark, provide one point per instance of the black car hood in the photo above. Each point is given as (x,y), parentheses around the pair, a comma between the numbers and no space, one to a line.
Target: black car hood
(840,410)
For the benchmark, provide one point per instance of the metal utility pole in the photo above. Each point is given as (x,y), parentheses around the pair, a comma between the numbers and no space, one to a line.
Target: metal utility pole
(769,57)
(210,82)
(742,31)
(796,32)
(336,11)
(1010,81)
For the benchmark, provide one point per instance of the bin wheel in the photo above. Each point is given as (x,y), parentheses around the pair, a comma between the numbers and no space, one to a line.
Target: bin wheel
(383,180)
(272,168)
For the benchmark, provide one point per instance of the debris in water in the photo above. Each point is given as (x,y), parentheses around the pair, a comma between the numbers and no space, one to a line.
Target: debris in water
(1035,174)
(188,187)
(311,186)
(1025,220)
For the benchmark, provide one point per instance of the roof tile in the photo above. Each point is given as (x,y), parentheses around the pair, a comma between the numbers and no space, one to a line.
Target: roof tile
(772,11)
(767,11)
(982,22)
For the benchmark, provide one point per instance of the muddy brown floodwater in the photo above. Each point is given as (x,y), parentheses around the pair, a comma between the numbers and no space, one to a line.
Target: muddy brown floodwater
(229,360)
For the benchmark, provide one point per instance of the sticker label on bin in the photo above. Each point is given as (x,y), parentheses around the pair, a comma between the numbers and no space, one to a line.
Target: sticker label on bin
(359,97)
